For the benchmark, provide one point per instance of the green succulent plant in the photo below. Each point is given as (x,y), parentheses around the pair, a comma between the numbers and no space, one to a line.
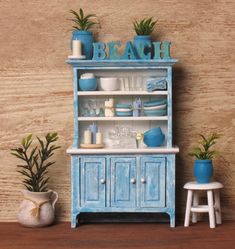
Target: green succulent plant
(203,150)
(35,158)
(144,26)
(82,21)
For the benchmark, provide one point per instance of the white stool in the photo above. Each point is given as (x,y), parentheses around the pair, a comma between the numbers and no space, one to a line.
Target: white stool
(212,208)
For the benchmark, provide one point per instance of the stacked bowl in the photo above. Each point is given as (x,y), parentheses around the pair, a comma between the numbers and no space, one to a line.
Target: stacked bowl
(155,108)
(123,110)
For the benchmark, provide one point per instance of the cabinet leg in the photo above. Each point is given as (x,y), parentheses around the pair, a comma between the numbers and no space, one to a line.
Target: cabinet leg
(172,219)
(74,220)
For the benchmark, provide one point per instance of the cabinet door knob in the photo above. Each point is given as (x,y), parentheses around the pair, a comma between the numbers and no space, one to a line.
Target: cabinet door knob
(102,181)
(133,180)
(143,180)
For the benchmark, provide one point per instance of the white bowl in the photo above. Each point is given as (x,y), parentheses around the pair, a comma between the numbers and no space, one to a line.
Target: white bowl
(108,84)
(158,107)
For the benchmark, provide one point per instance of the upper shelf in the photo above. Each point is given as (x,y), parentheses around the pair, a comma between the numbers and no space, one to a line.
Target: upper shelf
(131,118)
(145,64)
(120,93)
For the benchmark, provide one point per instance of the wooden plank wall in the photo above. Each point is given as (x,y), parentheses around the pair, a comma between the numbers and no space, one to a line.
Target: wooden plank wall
(36,84)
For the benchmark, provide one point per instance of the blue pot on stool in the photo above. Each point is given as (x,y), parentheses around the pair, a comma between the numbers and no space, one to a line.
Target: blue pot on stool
(139,42)
(203,170)
(86,39)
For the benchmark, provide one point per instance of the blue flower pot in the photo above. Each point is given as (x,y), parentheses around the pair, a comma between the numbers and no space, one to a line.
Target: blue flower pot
(138,42)
(203,170)
(86,39)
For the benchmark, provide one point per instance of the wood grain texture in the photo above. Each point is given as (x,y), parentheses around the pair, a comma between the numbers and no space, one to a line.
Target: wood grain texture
(36,84)
(116,236)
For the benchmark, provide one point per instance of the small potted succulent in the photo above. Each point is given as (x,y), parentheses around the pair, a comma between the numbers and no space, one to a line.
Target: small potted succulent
(203,167)
(81,25)
(37,208)
(143,29)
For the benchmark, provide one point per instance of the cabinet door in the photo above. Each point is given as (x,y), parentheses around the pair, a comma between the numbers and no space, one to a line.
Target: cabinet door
(153,181)
(123,182)
(93,182)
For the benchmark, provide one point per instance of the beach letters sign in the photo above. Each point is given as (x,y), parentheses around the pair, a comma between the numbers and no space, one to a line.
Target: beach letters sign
(145,51)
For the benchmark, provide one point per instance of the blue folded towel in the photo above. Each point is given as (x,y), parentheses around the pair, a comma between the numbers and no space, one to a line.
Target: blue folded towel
(155,84)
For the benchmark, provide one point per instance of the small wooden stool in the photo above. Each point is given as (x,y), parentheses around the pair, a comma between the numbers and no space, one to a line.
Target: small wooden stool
(213,208)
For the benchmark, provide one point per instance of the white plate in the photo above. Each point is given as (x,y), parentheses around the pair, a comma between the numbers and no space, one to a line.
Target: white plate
(123,110)
(155,107)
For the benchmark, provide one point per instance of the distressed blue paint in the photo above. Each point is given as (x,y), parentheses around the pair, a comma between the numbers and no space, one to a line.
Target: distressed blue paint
(86,64)
(75,189)
(118,193)
(159,171)
(75,108)
(161,50)
(123,191)
(169,107)
(113,50)
(153,191)
(129,52)
(99,51)
(93,191)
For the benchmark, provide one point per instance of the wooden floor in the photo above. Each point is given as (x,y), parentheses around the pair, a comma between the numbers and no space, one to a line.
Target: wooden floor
(144,236)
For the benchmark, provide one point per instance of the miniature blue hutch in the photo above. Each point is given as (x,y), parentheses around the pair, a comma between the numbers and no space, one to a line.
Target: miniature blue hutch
(123,179)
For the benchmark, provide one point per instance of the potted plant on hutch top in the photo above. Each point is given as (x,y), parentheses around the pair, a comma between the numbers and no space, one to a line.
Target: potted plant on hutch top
(37,208)
(81,26)
(143,29)
(203,167)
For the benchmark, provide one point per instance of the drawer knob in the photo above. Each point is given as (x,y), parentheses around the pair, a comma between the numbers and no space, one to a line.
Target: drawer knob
(102,181)
(143,180)
(133,180)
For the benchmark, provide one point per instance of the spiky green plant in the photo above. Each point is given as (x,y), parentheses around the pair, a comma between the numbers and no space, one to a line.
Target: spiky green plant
(35,158)
(144,26)
(203,150)
(82,21)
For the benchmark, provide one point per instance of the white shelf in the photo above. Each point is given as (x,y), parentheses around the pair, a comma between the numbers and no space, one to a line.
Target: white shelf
(120,93)
(148,118)
(159,150)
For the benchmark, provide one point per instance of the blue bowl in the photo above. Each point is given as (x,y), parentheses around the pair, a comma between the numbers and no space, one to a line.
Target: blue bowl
(124,114)
(155,130)
(123,106)
(153,140)
(155,112)
(88,84)
(155,103)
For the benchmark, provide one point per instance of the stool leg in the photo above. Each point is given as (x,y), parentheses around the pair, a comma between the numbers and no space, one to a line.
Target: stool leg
(217,207)
(211,208)
(188,208)
(195,203)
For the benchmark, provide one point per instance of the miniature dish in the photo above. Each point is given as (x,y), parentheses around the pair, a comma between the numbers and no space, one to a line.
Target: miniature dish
(154,103)
(155,112)
(123,110)
(109,84)
(158,107)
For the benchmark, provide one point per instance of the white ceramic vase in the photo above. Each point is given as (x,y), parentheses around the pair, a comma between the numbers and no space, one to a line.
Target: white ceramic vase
(37,209)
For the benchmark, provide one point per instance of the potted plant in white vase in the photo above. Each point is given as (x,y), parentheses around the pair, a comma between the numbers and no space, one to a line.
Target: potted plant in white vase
(203,167)
(81,26)
(143,30)
(38,207)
